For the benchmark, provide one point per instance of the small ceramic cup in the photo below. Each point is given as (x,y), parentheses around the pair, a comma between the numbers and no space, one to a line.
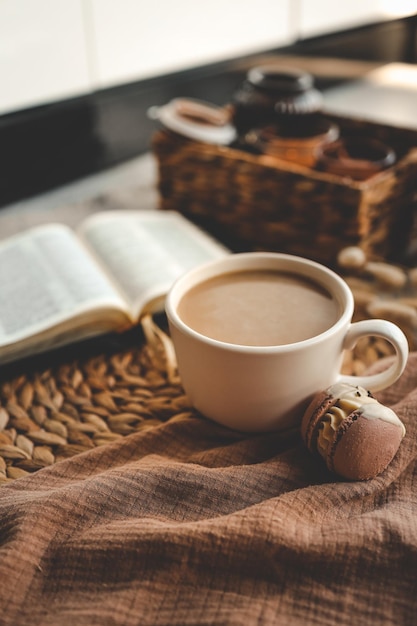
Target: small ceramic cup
(265,388)
(357,158)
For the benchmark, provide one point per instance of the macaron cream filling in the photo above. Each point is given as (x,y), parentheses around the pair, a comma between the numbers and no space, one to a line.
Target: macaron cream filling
(350,399)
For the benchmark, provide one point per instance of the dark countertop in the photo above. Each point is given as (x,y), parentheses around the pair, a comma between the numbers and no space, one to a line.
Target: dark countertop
(127,186)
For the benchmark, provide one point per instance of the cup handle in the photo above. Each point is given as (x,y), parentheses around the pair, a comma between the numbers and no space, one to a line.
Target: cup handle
(392,333)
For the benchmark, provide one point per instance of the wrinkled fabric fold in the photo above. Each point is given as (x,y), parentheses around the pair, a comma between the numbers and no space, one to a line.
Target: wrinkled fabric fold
(190,523)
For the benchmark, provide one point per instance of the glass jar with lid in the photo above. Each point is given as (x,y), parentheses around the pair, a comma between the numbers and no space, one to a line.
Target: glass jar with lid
(271,93)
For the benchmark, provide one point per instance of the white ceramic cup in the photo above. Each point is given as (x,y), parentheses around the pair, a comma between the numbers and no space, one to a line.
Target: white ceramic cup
(265,388)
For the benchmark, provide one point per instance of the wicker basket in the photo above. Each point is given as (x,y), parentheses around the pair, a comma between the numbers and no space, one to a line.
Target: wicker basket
(256,202)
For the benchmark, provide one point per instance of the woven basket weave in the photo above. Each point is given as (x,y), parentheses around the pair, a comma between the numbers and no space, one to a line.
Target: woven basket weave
(54,413)
(256,202)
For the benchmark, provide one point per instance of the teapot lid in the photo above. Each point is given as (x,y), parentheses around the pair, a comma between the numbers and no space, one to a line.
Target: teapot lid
(280,79)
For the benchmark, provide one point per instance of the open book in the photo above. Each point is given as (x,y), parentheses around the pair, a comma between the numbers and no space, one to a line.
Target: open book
(58,286)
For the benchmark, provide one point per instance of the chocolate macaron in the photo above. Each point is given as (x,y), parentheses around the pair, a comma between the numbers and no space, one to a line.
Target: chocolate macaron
(356,435)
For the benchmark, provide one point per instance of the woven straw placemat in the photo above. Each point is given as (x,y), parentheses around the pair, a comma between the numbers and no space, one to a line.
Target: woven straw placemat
(54,413)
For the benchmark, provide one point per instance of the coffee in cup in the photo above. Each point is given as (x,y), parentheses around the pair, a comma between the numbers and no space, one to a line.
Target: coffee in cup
(259,308)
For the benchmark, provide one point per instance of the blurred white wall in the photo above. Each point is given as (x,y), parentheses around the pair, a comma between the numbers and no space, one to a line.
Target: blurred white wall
(55,49)
(140,39)
(317,17)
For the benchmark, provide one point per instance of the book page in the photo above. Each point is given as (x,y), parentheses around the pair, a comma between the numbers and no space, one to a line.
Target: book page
(146,251)
(47,278)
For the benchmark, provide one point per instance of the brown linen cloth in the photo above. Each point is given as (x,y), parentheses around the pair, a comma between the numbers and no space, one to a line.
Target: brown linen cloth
(192,524)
